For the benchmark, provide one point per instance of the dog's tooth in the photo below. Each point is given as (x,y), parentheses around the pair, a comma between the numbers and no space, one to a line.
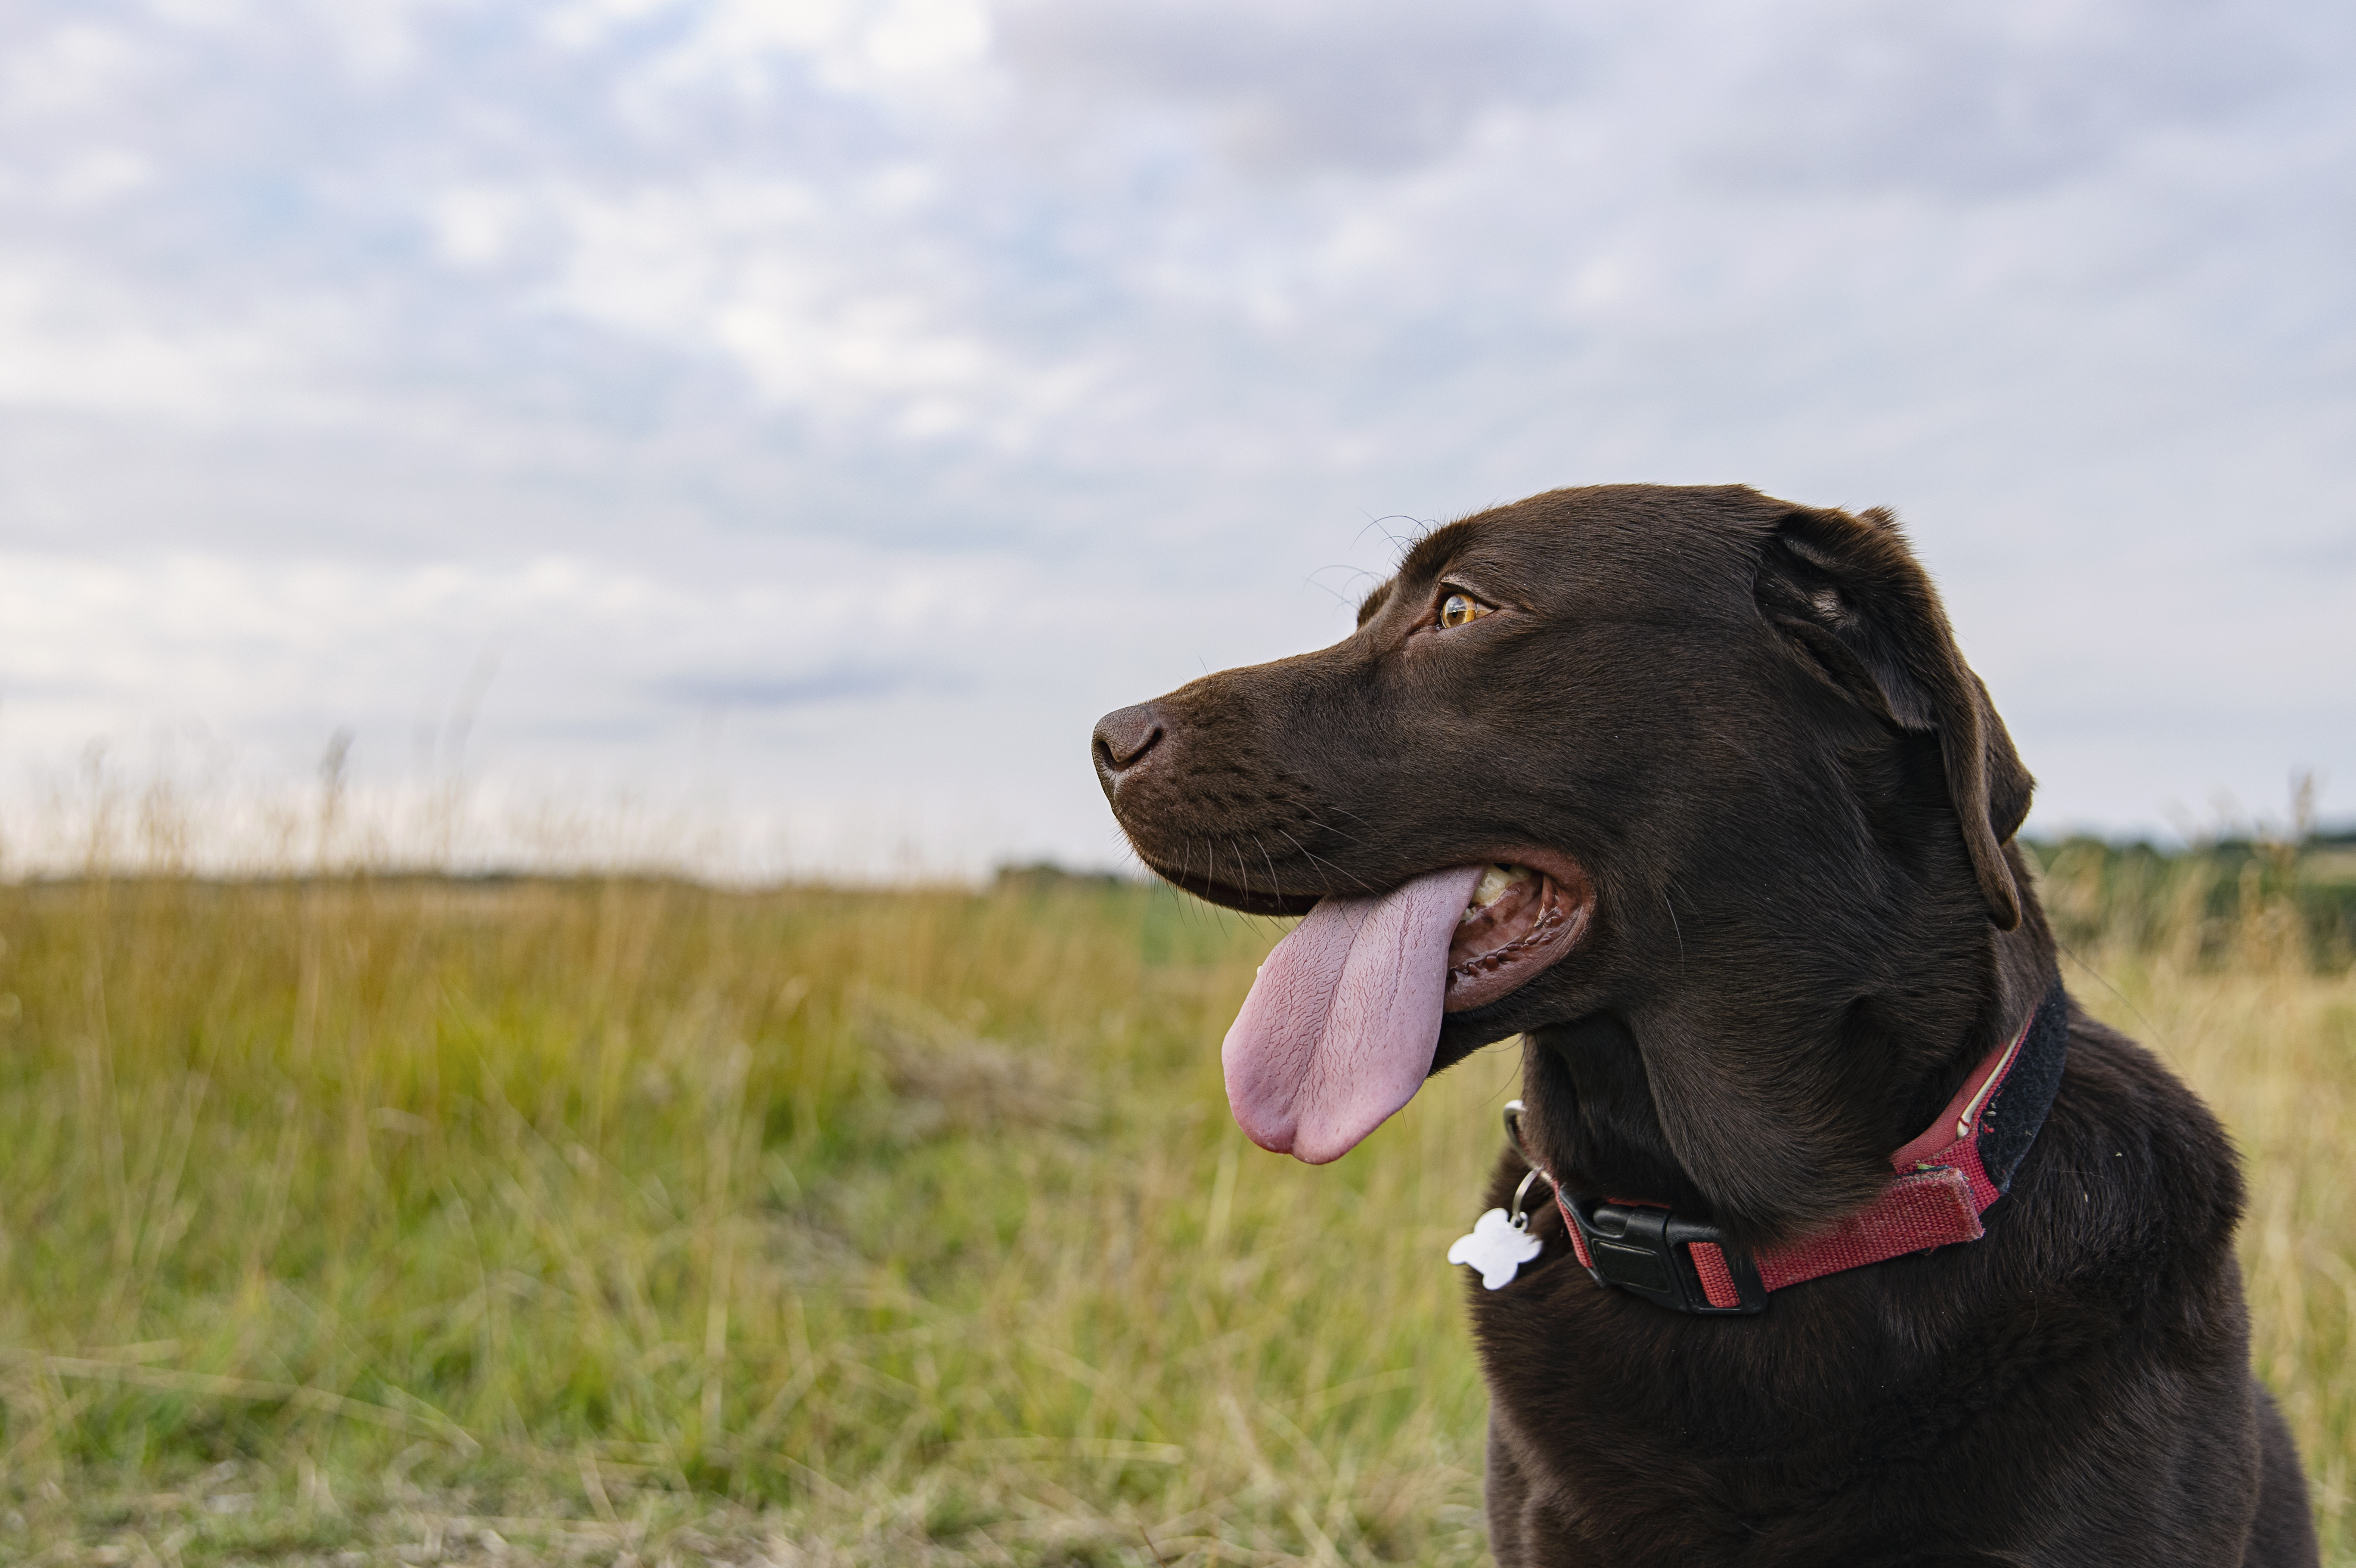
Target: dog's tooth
(1495,882)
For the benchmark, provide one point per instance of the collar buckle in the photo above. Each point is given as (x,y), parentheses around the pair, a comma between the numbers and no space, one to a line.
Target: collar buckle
(1649,1252)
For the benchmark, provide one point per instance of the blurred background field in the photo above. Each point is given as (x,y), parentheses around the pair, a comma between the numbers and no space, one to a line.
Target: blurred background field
(376,1219)
(767,430)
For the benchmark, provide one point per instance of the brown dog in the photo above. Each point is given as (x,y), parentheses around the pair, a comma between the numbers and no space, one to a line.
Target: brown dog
(1692,789)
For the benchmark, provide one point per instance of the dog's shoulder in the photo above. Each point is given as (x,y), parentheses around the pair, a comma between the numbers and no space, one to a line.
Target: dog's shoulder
(2131,1176)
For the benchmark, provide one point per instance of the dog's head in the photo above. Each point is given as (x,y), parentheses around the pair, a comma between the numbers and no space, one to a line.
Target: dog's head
(1746,812)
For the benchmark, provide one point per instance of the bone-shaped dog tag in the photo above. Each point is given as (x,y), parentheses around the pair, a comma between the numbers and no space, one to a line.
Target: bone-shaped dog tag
(1498,1247)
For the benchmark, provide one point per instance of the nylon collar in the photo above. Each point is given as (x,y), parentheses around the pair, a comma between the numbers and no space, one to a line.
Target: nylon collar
(1943,1182)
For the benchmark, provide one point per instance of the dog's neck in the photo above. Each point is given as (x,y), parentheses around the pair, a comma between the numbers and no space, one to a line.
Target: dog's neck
(1593,1118)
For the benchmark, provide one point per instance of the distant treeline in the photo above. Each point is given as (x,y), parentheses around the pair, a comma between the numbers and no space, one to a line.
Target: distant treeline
(1043,876)
(2231,898)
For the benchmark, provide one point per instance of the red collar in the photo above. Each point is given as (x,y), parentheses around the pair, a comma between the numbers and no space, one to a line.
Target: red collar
(1945,1181)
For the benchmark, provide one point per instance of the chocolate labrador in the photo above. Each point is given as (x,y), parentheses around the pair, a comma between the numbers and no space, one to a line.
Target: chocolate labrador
(1830,1231)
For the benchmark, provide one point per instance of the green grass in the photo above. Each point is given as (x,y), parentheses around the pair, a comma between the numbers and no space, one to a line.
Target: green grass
(378,1220)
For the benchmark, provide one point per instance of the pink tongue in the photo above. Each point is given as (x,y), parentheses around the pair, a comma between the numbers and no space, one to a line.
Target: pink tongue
(1339,1028)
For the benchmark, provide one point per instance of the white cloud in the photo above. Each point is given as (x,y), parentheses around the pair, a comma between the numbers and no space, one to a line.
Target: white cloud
(927,38)
(473,227)
(69,69)
(68,344)
(99,176)
(1087,336)
(841,308)
(906,52)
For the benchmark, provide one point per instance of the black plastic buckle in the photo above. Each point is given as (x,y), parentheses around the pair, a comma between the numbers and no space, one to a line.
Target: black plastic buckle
(1643,1251)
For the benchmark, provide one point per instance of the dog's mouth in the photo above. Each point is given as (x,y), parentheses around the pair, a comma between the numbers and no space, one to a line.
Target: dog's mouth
(1343,1022)
(1518,921)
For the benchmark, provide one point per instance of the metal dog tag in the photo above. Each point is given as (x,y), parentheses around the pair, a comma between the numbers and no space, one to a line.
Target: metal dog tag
(1499,1247)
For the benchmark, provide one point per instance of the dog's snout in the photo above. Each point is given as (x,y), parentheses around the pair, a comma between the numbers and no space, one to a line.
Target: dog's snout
(1125,739)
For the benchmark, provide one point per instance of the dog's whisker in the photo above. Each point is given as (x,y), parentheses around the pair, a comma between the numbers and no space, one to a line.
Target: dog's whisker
(1275,882)
(1243,877)
(2105,981)
(1314,858)
(1329,827)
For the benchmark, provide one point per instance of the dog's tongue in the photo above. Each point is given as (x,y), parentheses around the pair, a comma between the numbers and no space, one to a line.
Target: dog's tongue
(1339,1028)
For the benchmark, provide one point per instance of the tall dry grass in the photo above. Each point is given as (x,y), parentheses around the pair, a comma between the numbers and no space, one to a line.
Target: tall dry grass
(623,1219)
(2234,966)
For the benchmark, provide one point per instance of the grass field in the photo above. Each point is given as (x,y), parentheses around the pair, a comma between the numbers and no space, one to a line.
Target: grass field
(378,1221)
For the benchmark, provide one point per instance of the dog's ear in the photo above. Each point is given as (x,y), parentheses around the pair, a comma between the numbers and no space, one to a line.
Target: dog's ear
(1848,592)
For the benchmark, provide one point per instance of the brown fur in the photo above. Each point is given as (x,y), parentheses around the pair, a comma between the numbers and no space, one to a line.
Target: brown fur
(1747,723)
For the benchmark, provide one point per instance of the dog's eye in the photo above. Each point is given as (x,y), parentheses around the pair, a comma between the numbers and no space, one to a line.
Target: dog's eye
(1461,609)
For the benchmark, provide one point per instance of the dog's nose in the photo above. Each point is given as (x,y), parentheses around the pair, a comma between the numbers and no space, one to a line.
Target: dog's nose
(1123,740)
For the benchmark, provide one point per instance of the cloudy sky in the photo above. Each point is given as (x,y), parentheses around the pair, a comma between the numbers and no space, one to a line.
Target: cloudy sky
(801,418)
